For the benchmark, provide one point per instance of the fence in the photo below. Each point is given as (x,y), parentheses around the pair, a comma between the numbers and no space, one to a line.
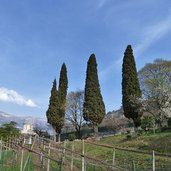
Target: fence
(136,159)
(34,153)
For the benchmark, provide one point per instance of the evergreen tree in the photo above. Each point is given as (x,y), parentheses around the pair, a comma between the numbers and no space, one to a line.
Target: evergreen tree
(130,87)
(63,85)
(94,108)
(61,98)
(56,111)
(52,111)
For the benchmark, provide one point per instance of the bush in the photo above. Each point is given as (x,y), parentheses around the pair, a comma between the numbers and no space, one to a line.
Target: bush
(9,129)
(129,136)
(169,122)
(140,132)
(147,122)
(71,137)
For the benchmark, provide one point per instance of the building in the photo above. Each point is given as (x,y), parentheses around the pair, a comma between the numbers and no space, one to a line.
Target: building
(27,129)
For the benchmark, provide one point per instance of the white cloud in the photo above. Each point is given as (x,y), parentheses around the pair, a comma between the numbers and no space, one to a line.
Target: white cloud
(7,95)
(153,33)
(149,36)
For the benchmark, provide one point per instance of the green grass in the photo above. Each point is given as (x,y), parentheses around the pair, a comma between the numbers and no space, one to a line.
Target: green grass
(160,142)
(8,163)
(54,166)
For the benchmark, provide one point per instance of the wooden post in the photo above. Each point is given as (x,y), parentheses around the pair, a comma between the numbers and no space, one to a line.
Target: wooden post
(41,159)
(82,157)
(153,160)
(1,149)
(16,156)
(22,156)
(85,164)
(63,157)
(48,162)
(133,163)
(72,156)
(113,159)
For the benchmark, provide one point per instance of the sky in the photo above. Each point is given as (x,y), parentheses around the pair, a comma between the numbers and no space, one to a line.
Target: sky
(37,36)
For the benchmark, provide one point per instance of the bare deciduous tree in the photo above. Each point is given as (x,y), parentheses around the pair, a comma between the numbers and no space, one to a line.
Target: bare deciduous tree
(74,110)
(115,123)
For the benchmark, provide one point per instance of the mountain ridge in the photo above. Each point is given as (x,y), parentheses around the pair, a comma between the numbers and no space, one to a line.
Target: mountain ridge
(20,120)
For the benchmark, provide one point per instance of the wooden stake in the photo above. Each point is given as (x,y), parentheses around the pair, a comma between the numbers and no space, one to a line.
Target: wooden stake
(63,157)
(21,163)
(72,157)
(153,160)
(48,162)
(133,163)
(113,159)
(1,149)
(82,157)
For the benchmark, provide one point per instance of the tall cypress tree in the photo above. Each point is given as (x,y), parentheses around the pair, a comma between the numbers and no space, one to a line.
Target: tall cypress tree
(56,111)
(94,108)
(52,111)
(63,83)
(61,97)
(130,87)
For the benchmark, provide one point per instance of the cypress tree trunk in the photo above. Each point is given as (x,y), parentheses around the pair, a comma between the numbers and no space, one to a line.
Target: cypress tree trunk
(54,135)
(59,137)
(96,131)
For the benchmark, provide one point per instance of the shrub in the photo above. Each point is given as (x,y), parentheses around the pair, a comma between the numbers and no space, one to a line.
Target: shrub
(169,122)
(147,122)
(129,136)
(71,137)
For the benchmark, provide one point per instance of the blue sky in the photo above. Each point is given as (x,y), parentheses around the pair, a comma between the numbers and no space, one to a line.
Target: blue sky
(37,36)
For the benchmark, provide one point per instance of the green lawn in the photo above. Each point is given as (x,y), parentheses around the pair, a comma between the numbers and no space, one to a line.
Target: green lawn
(8,162)
(160,142)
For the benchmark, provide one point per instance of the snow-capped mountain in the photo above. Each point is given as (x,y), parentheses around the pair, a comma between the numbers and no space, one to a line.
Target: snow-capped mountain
(6,118)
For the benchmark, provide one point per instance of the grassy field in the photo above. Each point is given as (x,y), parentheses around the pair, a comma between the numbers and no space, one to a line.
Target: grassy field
(8,162)
(129,160)
(160,142)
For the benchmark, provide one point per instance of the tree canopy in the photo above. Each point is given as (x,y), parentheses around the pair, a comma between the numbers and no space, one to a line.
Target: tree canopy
(53,108)
(74,109)
(155,81)
(130,87)
(94,108)
(9,129)
(56,111)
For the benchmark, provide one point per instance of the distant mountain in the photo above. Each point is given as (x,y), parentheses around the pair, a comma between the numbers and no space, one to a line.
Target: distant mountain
(6,118)
(115,113)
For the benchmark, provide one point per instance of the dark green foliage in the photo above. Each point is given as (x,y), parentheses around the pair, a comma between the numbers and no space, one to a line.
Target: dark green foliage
(147,122)
(56,111)
(169,122)
(53,109)
(9,129)
(63,83)
(94,108)
(62,93)
(71,137)
(130,87)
